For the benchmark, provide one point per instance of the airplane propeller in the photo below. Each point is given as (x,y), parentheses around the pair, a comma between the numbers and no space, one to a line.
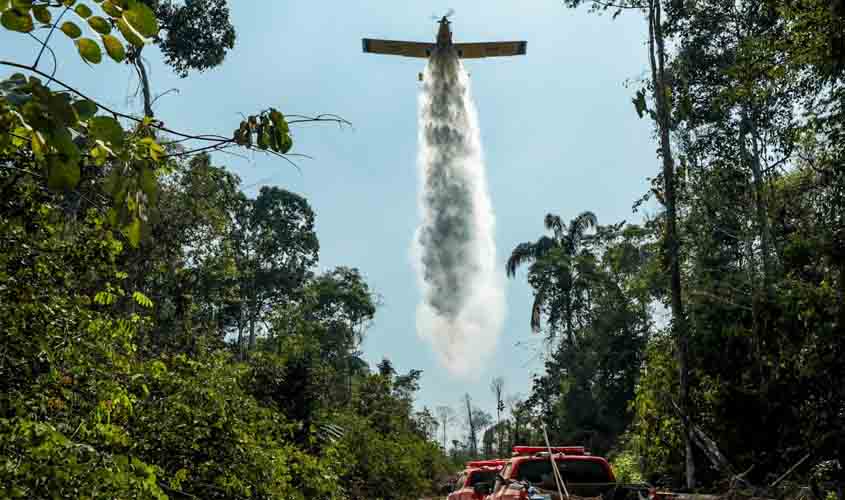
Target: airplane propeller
(449,13)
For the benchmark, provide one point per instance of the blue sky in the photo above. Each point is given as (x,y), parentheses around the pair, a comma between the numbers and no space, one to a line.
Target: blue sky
(559,132)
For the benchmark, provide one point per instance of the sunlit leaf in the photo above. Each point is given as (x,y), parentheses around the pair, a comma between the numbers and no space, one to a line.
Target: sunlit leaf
(129,33)
(142,300)
(111,9)
(104,298)
(39,147)
(89,50)
(22,5)
(107,129)
(114,48)
(100,25)
(68,3)
(15,20)
(42,14)
(71,29)
(142,19)
(82,11)
(133,232)
(279,120)
(99,154)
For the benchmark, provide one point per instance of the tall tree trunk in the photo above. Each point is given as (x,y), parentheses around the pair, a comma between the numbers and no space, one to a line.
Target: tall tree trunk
(252,331)
(841,327)
(241,332)
(760,208)
(570,336)
(472,440)
(657,60)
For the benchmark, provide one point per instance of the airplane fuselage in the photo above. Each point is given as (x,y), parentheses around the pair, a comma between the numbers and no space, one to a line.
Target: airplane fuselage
(444,34)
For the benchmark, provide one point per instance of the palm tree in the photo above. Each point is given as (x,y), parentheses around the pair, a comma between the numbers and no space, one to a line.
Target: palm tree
(551,274)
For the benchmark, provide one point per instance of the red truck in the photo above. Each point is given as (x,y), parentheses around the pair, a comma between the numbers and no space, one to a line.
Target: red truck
(474,482)
(528,475)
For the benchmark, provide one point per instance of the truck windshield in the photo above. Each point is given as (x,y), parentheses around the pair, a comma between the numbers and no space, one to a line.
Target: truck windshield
(572,471)
(481,476)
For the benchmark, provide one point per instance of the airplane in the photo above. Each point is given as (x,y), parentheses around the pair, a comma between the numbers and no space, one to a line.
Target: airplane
(444,41)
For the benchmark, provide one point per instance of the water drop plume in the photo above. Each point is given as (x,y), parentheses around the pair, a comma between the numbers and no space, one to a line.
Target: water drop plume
(462,306)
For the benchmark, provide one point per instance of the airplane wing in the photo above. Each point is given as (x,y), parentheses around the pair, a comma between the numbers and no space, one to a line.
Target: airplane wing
(490,49)
(397,48)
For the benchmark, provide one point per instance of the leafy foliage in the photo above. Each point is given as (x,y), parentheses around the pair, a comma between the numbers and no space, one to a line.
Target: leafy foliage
(753,112)
(127,260)
(197,33)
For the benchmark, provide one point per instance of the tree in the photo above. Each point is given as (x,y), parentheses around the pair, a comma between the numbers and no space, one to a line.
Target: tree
(515,408)
(552,274)
(476,420)
(275,248)
(661,87)
(497,386)
(194,36)
(584,393)
(446,416)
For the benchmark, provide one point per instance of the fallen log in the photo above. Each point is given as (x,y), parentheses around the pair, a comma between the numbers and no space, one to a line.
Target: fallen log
(707,445)
(790,470)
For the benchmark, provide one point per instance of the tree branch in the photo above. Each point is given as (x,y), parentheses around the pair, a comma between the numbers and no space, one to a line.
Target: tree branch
(47,40)
(220,141)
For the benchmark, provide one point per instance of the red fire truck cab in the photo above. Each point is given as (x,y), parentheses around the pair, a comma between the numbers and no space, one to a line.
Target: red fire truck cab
(475,481)
(528,475)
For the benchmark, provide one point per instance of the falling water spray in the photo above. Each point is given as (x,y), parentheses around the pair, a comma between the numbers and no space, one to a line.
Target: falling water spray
(462,307)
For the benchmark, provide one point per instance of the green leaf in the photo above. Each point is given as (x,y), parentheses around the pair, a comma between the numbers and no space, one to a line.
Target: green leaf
(39,147)
(82,11)
(114,48)
(133,232)
(63,167)
(99,154)
(61,109)
(64,145)
(129,33)
(111,9)
(100,25)
(42,14)
(104,298)
(148,182)
(85,109)
(106,129)
(69,3)
(15,20)
(22,5)
(142,300)
(89,50)
(279,120)
(62,176)
(141,18)
(640,103)
(283,142)
(71,29)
